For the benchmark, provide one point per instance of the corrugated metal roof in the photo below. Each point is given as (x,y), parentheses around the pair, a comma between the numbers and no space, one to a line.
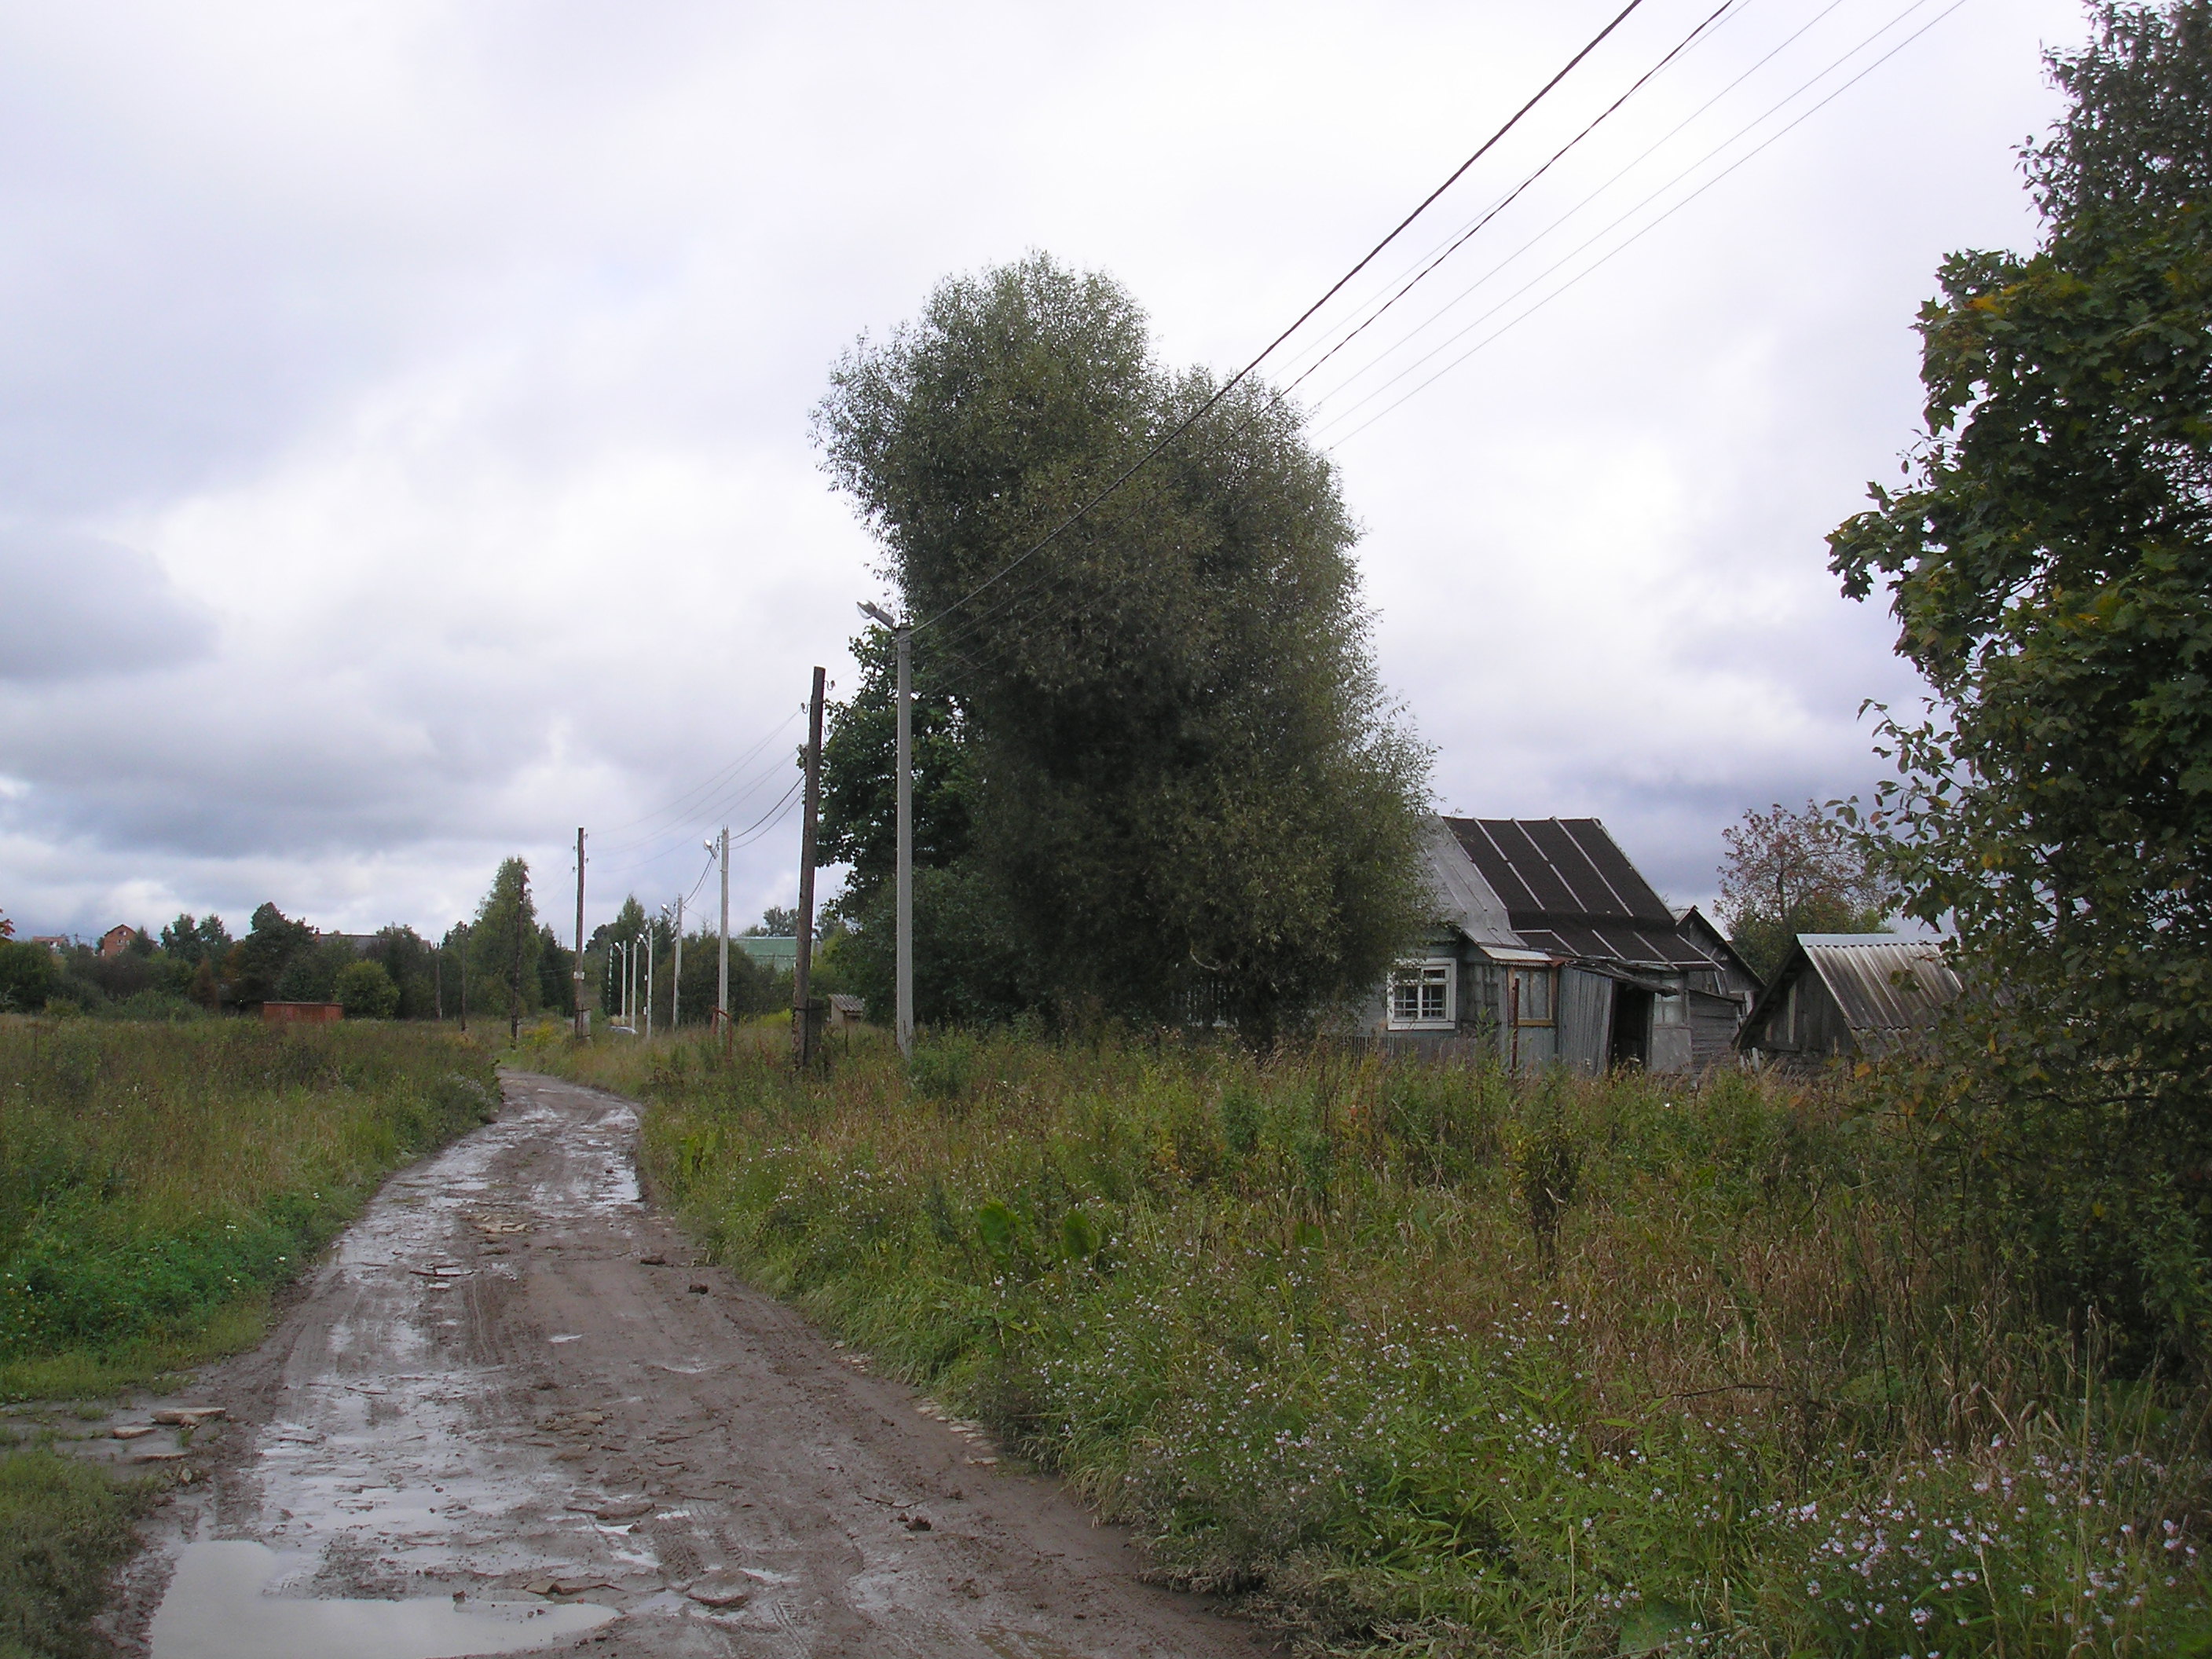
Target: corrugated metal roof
(1559,867)
(1886,986)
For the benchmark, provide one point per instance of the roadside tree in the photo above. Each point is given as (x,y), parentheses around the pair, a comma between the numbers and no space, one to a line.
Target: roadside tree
(1187,772)
(2050,566)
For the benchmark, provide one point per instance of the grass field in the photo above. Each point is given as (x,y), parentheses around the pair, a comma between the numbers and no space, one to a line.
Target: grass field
(1421,1360)
(157,1184)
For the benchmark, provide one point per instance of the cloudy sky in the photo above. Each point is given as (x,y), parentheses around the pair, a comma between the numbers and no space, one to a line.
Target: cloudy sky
(403,410)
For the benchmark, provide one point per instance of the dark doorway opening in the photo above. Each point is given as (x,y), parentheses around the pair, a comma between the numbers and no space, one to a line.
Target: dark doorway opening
(1632,1026)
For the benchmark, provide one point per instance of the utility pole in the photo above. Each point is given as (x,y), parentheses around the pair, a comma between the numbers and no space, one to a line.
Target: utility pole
(802,1008)
(722,970)
(514,987)
(649,954)
(902,949)
(675,974)
(438,980)
(576,993)
(464,976)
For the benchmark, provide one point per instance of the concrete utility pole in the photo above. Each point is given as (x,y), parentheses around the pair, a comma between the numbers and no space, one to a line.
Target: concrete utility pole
(576,979)
(902,952)
(675,974)
(649,955)
(802,1004)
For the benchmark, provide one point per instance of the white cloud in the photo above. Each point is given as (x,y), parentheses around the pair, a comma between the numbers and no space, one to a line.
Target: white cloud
(434,384)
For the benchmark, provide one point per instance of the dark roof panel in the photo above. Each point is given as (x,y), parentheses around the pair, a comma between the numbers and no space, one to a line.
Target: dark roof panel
(1559,867)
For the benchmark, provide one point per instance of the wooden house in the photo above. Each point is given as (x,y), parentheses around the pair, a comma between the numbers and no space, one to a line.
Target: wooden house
(1549,947)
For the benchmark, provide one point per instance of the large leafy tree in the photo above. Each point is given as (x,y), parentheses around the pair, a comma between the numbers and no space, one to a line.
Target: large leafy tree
(1181,765)
(2050,566)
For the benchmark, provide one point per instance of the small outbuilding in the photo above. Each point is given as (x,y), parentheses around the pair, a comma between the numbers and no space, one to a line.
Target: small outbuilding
(1550,947)
(303,1014)
(1844,995)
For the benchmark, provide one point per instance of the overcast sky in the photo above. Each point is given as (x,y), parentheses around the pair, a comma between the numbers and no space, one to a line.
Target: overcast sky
(403,410)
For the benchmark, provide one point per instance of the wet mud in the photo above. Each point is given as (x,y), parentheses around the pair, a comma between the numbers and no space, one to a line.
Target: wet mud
(510,1413)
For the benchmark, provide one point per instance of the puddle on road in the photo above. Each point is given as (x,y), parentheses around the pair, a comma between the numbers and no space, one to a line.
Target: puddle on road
(214,1610)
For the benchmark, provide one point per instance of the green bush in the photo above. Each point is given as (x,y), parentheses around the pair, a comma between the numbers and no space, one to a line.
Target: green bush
(366,991)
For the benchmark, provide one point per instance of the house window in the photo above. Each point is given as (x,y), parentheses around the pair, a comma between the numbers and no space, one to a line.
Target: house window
(1421,995)
(1530,991)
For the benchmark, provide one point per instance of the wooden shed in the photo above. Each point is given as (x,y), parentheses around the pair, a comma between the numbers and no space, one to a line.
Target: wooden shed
(303,1014)
(1842,995)
(1551,948)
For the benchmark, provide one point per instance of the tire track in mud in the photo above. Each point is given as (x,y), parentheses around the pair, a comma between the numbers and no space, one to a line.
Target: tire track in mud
(507,1408)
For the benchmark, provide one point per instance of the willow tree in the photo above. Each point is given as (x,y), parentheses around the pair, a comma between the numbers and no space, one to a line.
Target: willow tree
(1183,772)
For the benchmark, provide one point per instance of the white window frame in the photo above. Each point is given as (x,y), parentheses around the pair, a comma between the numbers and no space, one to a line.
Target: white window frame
(1423,972)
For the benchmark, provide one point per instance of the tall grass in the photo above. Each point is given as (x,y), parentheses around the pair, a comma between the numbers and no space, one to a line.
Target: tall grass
(156,1182)
(1423,1359)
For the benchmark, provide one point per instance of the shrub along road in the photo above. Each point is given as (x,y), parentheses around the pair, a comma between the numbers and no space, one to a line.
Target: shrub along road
(508,1402)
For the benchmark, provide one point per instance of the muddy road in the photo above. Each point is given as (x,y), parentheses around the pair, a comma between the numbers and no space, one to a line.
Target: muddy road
(508,1413)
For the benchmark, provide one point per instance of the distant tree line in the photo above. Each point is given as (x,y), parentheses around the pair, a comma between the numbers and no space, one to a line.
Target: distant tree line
(502,961)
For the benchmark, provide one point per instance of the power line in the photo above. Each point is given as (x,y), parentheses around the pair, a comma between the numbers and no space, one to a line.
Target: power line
(676,807)
(1646,230)
(1242,374)
(1649,151)
(1710,21)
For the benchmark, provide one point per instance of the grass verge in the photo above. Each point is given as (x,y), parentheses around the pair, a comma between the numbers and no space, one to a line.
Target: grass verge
(157,1184)
(64,1528)
(1421,1359)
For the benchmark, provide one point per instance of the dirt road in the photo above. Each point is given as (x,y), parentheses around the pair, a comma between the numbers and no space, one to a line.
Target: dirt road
(508,1413)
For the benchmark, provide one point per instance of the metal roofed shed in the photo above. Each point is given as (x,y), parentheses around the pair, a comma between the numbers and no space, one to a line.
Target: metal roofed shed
(1838,995)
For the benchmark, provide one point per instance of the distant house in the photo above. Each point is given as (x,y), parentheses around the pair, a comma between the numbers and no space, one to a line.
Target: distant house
(1550,948)
(1838,995)
(117,939)
(56,943)
(846,1012)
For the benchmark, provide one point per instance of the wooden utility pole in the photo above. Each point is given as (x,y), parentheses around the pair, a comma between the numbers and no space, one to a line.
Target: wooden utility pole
(903,1023)
(675,974)
(722,971)
(514,984)
(438,980)
(576,979)
(465,975)
(802,1005)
